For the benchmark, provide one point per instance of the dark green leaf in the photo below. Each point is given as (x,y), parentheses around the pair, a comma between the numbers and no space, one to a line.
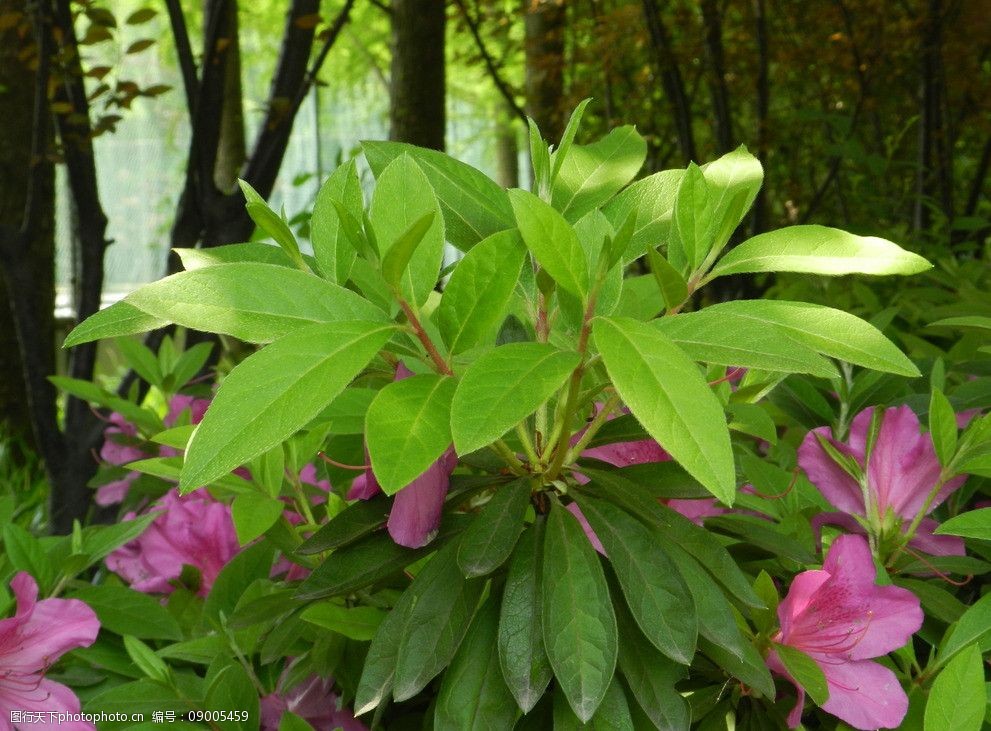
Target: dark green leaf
(487,542)
(805,671)
(127,612)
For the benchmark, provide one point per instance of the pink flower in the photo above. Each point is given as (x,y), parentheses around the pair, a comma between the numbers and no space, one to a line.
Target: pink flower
(36,636)
(193,530)
(416,509)
(903,470)
(180,403)
(314,701)
(120,440)
(840,618)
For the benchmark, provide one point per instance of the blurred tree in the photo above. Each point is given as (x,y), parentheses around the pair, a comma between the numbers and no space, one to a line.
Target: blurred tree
(417,90)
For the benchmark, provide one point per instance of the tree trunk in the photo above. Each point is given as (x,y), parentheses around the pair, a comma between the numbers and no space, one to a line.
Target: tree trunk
(17,92)
(417,93)
(722,116)
(544,24)
(507,152)
(933,176)
(762,103)
(231,152)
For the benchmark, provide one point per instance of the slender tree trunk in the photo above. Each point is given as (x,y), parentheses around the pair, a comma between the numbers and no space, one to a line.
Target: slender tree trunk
(722,115)
(417,92)
(507,152)
(231,152)
(544,25)
(17,99)
(933,180)
(762,103)
(671,80)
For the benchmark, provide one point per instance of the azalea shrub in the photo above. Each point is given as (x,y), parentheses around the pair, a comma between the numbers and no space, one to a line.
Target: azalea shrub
(547,485)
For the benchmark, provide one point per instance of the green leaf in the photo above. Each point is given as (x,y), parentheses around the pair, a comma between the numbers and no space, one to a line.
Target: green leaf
(503,387)
(725,338)
(592,174)
(146,660)
(522,656)
(828,331)
(942,427)
(651,200)
(487,542)
(553,242)
(275,392)
(403,198)
(753,420)
(668,395)
(477,296)
(346,413)
(252,252)
(25,553)
(253,302)
(734,181)
(568,137)
(332,245)
(972,524)
(540,160)
(578,621)
(121,318)
(818,250)
(398,257)
(973,627)
(473,205)
(100,540)
(128,612)
(408,426)
(272,224)
(356,623)
(253,514)
(655,593)
(957,701)
(612,715)
(670,283)
(252,563)
(473,696)
(969,321)
(691,235)
(291,722)
(380,663)
(352,523)
(232,690)
(142,696)
(805,671)
(650,676)
(441,605)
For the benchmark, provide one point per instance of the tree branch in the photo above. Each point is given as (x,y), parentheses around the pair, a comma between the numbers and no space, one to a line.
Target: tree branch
(490,64)
(187,65)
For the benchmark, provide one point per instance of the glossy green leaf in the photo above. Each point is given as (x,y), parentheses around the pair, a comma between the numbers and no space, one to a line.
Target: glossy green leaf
(578,621)
(667,394)
(272,224)
(253,302)
(650,676)
(805,671)
(332,245)
(655,592)
(670,283)
(818,250)
(968,321)
(275,392)
(252,251)
(942,426)
(957,701)
(356,623)
(594,173)
(613,713)
(477,296)
(379,667)
(489,540)
(828,331)
(253,514)
(403,198)
(724,338)
(441,605)
(973,627)
(145,659)
(567,139)
(354,522)
(972,524)
(124,611)
(473,205)
(734,181)
(652,202)
(408,426)
(473,695)
(503,387)
(691,232)
(553,242)
(522,656)
(232,689)
(119,319)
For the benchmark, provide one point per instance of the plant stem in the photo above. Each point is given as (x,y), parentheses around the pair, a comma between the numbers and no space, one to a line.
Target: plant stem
(439,363)
(526,443)
(503,450)
(592,428)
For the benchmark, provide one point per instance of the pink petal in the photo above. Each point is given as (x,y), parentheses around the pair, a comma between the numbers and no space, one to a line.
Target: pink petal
(795,714)
(803,588)
(934,545)
(895,615)
(44,697)
(589,533)
(623,454)
(115,492)
(698,509)
(55,627)
(833,482)
(416,510)
(864,694)
(903,467)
